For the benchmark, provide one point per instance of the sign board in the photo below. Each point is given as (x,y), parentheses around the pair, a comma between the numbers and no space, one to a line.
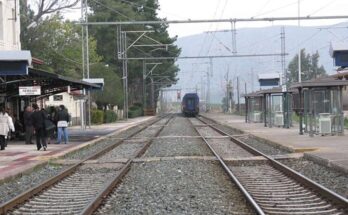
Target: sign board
(30,91)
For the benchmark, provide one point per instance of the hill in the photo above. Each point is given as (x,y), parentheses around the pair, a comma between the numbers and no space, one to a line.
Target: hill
(251,41)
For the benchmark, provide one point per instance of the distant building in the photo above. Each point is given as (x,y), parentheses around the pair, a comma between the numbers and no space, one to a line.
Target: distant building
(9,25)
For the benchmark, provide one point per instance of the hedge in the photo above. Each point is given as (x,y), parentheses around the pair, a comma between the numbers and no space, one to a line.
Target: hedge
(135,111)
(97,116)
(110,116)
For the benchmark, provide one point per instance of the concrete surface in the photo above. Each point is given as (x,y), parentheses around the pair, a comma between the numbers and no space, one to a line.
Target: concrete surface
(19,158)
(329,150)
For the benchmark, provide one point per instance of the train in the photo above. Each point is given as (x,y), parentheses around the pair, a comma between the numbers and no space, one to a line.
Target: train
(190,104)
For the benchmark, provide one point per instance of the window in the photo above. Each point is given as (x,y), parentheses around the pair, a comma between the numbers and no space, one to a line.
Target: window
(58,98)
(1,22)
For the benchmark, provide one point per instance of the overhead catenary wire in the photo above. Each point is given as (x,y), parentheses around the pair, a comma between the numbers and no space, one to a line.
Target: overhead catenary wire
(262,8)
(150,8)
(321,8)
(278,8)
(112,9)
(306,40)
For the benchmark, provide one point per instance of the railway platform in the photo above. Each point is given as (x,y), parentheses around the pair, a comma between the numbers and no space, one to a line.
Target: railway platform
(19,157)
(331,151)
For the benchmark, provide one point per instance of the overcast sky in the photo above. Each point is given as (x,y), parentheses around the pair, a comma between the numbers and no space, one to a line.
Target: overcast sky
(217,9)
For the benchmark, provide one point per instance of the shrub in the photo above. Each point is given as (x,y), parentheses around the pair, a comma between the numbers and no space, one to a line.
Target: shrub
(97,116)
(135,111)
(110,116)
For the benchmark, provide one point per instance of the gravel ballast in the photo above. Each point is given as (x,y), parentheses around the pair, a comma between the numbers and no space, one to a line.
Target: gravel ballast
(125,150)
(90,149)
(176,187)
(179,126)
(167,147)
(18,185)
(263,147)
(330,178)
(228,149)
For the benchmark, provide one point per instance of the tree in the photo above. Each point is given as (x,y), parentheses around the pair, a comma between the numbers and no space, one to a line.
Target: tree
(47,7)
(112,93)
(58,44)
(110,10)
(309,67)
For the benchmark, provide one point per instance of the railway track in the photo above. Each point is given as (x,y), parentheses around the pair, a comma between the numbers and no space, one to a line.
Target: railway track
(81,188)
(269,186)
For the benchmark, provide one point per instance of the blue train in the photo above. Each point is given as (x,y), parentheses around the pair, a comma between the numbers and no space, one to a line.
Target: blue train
(190,104)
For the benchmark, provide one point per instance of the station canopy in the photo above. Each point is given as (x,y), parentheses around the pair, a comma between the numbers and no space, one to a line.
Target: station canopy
(331,81)
(50,83)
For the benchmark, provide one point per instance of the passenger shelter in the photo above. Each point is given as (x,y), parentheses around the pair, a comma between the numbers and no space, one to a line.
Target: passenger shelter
(277,107)
(254,111)
(320,105)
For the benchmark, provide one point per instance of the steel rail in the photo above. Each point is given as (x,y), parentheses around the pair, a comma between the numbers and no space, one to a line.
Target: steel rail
(249,198)
(325,192)
(21,198)
(98,200)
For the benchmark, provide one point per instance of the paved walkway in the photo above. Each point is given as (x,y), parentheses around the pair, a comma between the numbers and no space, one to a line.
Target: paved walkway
(19,157)
(329,150)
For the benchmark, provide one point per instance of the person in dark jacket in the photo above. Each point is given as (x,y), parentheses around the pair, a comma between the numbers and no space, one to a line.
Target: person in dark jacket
(28,124)
(62,119)
(38,118)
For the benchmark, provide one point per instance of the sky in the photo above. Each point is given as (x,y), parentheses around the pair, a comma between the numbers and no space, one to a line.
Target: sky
(220,9)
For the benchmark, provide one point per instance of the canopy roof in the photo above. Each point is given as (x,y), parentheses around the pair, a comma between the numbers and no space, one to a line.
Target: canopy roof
(50,83)
(331,81)
(274,90)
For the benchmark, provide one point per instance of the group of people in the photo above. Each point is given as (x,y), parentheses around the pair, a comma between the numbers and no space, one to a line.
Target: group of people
(39,123)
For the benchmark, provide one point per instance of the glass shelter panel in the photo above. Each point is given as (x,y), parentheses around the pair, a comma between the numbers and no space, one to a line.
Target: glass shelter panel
(255,109)
(323,111)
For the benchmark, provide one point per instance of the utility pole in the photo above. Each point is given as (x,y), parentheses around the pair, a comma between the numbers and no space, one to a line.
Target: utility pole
(227,92)
(299,48)
(238,107)
(230,95)
(252,79)
(234,37)
(85,64)
(209,74)
(144,85)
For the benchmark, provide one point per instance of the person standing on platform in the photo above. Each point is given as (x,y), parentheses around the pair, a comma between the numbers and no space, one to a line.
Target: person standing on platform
(38,122)
(5,126)
(63,119)
(28,124)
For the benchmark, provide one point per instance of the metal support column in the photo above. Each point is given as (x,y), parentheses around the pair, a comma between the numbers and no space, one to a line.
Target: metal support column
(301,109)
(144,85)
(311,112)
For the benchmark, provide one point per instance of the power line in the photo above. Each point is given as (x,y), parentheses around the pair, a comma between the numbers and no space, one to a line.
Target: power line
(212,40)
(262,8)
(265,19)
(307,39)
(107,7)
(150,8)
(279,8)
(210,26)
(205,57)
(321,8)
